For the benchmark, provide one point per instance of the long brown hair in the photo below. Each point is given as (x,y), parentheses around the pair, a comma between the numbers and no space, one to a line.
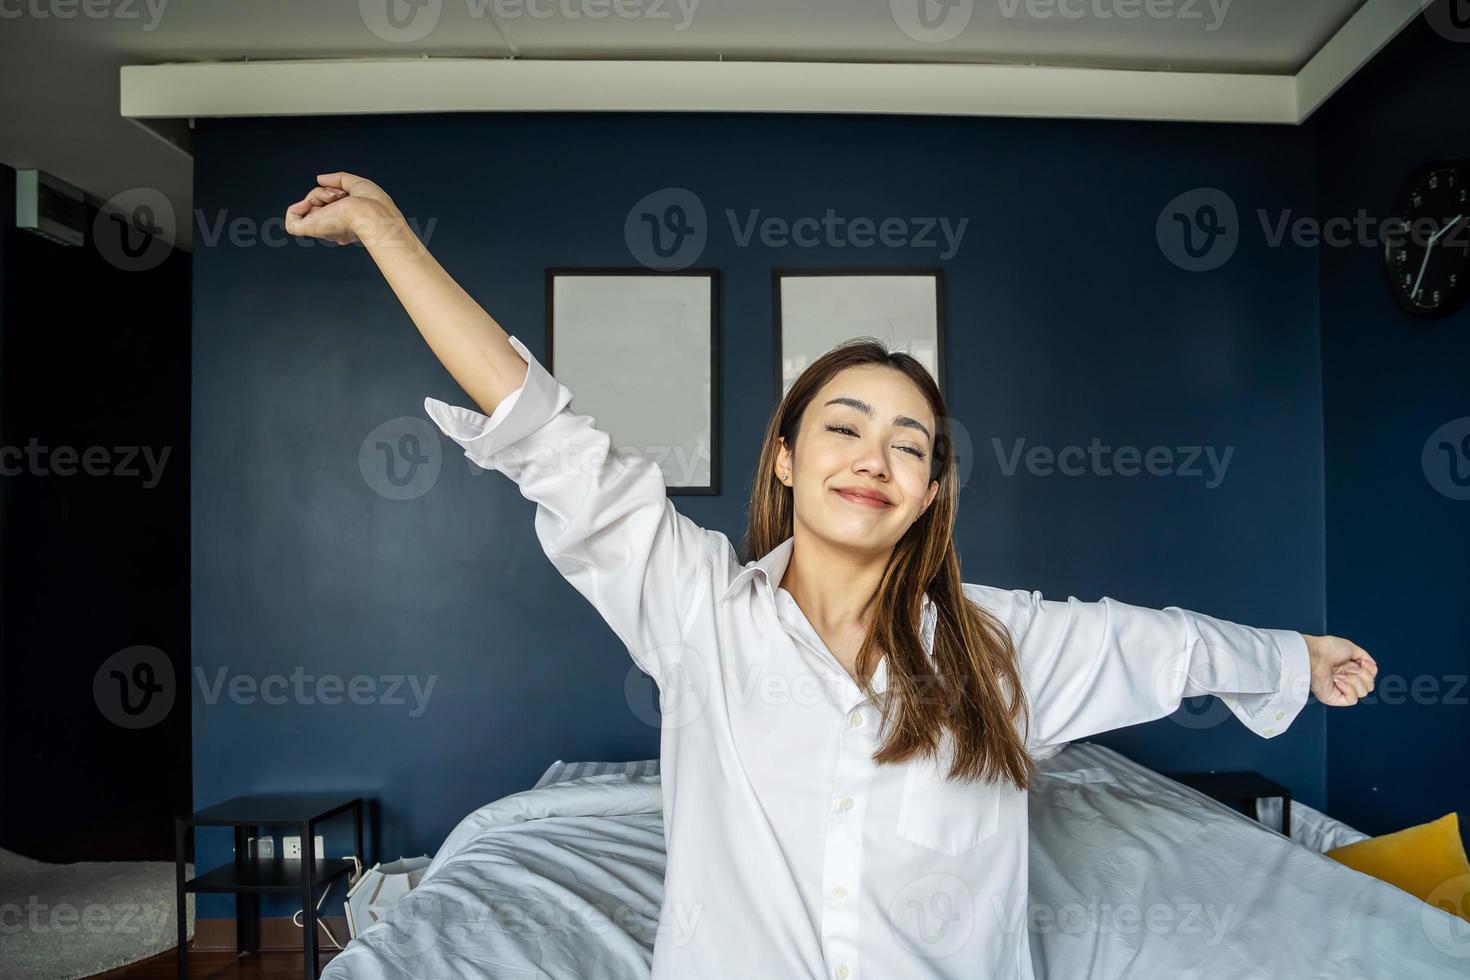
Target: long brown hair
(976,690)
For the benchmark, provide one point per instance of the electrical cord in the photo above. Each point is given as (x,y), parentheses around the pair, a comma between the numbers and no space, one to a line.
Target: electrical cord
(299,917)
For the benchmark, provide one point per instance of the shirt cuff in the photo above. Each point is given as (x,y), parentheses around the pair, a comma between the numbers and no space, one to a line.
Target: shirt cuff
(539,399)
(1268,715)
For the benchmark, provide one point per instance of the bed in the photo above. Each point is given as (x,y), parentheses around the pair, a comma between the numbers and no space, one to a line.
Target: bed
(1132,875)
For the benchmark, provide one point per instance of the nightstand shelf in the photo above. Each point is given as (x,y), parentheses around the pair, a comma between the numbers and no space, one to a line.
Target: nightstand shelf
(247,878)
(262,875)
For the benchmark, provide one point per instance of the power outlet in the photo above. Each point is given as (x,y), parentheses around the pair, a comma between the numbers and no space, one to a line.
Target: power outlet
(291,847)
(260,847)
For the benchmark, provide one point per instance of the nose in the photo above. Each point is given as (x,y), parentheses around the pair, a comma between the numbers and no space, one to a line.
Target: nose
(872,462)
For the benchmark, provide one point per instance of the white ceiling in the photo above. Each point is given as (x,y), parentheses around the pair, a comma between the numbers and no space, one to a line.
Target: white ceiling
(59,59)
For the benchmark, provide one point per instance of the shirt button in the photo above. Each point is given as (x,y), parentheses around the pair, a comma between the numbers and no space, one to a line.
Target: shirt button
(839,892)
(1268,731)
(857,719)
(1280,714)
(847,803)
(842,971)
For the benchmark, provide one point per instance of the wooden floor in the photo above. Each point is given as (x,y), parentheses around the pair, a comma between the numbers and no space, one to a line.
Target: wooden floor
(217,966)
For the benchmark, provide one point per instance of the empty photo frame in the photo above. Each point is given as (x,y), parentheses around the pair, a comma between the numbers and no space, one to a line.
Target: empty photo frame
(639,352)
(817,309)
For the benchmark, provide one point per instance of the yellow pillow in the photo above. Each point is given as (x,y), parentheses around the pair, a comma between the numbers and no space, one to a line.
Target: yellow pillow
(1425,860)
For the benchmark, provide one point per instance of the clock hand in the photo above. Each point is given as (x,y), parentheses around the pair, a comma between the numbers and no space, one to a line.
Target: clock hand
(1430,248)
(1448,226)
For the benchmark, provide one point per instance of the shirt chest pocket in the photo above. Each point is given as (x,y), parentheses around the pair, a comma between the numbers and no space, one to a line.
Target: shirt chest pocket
(942,814)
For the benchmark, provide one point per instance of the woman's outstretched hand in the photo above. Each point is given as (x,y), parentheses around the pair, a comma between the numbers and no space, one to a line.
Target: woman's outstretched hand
(345,208)
(1342,671)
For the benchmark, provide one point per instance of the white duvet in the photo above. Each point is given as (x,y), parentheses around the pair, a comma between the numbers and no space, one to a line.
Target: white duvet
(1132,875)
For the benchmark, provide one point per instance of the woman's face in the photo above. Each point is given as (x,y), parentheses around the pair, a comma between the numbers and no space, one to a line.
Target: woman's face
(868,429)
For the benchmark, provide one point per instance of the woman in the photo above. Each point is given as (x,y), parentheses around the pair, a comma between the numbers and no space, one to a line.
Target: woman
(848,729)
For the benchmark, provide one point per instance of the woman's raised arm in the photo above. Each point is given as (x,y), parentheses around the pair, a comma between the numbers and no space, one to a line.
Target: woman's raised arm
(345,208)
(603,517)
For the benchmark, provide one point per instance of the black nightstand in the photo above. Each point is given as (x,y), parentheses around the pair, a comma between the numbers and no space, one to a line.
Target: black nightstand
(1233,788)
(248,878)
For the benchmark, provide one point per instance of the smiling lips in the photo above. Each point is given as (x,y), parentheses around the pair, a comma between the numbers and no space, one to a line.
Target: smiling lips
(864,498)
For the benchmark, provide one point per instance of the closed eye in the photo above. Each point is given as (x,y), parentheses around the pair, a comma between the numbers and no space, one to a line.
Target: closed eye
(848,430)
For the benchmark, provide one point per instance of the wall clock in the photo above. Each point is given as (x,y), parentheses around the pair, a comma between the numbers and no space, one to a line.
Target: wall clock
(1427,255)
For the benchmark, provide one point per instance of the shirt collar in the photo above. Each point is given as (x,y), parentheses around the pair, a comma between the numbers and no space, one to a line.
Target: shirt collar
(772,566)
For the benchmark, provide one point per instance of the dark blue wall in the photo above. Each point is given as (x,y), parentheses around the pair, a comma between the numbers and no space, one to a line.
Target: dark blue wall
(1065,322)
(1396,579)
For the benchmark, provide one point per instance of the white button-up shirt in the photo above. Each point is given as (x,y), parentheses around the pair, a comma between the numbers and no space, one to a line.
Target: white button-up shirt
(790,854)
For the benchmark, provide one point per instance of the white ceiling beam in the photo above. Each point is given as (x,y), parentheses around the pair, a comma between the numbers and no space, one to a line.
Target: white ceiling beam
(367,86)
(1366,32)
(349,87)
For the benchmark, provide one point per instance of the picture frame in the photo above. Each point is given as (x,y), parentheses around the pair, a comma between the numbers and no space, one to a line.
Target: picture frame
(639,350)
(816,309)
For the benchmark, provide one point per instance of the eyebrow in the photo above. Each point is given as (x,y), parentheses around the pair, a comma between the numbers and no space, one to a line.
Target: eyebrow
(867,410)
